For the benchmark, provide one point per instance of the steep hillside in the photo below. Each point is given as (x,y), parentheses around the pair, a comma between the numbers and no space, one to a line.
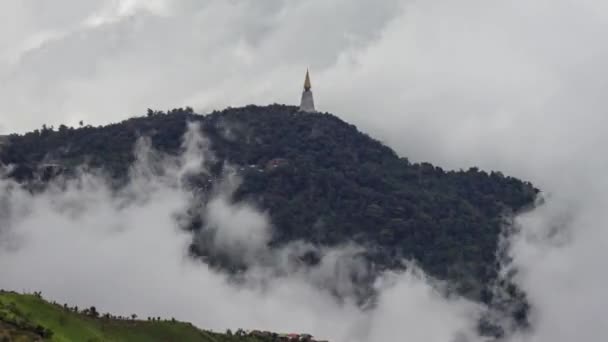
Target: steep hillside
(31,318)
(320,179)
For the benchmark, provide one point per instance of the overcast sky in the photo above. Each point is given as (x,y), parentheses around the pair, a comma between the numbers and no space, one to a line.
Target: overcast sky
(437,80)
(518,86)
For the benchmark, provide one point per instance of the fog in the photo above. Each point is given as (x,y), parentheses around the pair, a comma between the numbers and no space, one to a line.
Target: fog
(82,243)
(514,86)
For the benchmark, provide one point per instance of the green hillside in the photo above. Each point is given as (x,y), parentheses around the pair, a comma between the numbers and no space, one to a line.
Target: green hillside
(31,318)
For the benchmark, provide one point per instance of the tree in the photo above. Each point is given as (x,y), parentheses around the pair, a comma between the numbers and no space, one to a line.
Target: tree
(93,312)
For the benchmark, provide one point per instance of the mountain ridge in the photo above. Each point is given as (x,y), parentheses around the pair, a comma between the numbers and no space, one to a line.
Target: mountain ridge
(321,180)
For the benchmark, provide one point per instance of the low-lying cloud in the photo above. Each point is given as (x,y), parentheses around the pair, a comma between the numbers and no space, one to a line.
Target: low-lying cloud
(515,86)
(124,251)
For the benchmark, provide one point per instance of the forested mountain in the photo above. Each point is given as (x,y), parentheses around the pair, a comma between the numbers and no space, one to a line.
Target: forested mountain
(320,179)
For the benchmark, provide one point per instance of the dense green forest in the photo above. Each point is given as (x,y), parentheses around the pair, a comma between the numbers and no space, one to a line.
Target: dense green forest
(321,180)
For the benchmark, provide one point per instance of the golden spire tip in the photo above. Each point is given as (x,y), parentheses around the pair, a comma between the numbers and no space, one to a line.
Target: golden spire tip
(307,81)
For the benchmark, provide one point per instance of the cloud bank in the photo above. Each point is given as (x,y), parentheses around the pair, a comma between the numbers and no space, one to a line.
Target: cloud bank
(124,251)
(516,86)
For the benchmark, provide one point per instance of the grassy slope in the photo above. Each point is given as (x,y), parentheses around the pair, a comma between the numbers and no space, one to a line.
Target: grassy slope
(70,326)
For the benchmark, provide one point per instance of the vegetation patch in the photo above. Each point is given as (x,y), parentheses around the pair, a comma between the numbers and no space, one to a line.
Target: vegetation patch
(28,317)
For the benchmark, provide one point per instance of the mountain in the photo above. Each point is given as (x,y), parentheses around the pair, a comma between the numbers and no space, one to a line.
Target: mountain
(321,180)
(28,317)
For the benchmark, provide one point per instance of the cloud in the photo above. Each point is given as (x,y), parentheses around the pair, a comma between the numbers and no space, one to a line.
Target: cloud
(559,258)
(169,54)
(516,86)
(225,221)
(82,242)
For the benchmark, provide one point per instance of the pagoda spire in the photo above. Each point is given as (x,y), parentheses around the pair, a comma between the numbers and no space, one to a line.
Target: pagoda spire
(307,104)
(307,81)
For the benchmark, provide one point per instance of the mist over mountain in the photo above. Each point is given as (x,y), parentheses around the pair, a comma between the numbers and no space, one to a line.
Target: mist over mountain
(124,245)
(517,87)
(321,182)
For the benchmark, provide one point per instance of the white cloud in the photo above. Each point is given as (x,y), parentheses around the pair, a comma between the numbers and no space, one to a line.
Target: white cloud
(122,57)
(516,86)
(81,242)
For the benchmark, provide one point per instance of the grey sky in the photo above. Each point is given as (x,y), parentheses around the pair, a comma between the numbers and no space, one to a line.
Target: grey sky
(107,61)
(517,86)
